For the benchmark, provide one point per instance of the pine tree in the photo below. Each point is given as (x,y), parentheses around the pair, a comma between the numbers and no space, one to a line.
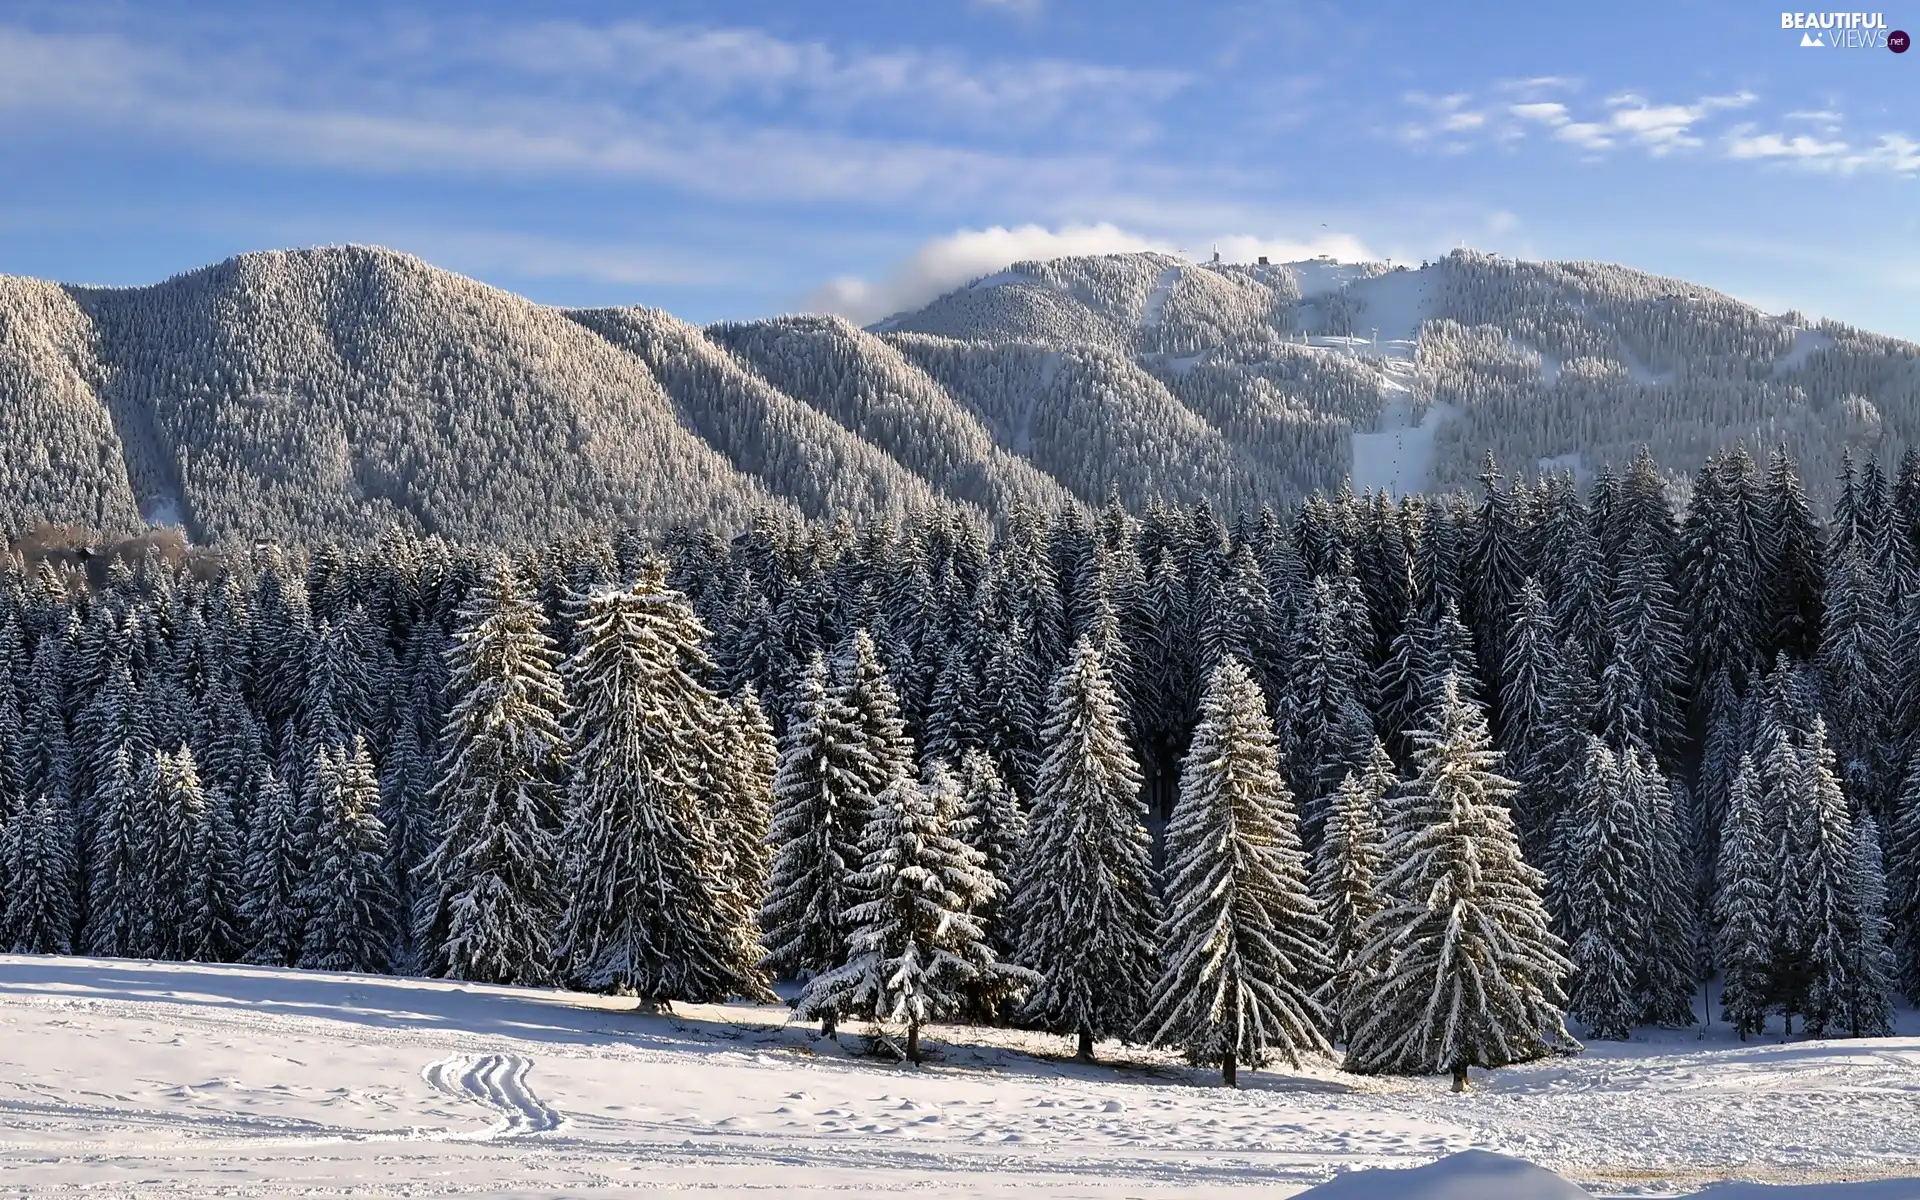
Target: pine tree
(344,896)
(917,948)
(1243,940)
(1347,874)
(1083,892)
(1465,969)
(492,886)
(38,845)
(272,880)
(646,911)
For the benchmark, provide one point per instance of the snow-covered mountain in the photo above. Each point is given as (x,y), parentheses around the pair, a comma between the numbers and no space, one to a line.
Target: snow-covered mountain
(333,392)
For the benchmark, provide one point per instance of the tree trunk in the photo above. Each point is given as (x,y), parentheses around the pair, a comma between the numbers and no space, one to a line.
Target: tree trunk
(913,1041)
(1230,1069)
(1085,1052)
(1460,1077)
(830,1025)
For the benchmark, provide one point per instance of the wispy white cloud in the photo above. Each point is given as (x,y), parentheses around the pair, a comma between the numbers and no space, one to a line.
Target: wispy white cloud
(712,65)
(1460,121)
(245,103)
(1443,122)
(1889,153)
(945,263)
(1664,128)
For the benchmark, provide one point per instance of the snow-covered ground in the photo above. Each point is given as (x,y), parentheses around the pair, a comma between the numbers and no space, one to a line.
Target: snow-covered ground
(129,1078)
(1806,342)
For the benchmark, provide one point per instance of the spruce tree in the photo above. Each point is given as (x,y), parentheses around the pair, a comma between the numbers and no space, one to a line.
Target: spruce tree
(821,804)
(992,822)
(1083,898)
(1347,875)
(344,896)
(1464,969)
(492,887)
(114,873)
(272,880)
(1607,900)
(173,813)
(1669,953)
(1840,996)
(646,912)
(1873,1011)
(212,900)
(1243,941)
(1745,904)
(38,845)
(916,949)
(1903,882)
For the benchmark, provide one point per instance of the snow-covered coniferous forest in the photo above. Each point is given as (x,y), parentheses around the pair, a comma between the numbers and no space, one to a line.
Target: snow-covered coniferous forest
(1421,778)
(1020,664)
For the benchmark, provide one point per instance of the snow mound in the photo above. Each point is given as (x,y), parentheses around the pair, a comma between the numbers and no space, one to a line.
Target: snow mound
(1468,1175)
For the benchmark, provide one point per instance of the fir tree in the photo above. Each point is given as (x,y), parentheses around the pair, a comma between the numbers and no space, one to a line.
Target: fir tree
(1083,898)
(1243,940)
(492,886)
(1464,969)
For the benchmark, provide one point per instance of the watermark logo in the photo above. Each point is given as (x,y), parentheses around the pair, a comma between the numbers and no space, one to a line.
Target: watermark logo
(1844,31)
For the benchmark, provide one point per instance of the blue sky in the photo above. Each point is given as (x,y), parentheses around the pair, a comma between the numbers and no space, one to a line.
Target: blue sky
(732,159)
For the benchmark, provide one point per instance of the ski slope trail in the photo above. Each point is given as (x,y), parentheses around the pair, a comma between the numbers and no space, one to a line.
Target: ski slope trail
(166,1080)
(499,1081)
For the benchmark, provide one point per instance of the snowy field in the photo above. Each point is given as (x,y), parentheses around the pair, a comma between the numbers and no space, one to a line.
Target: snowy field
(131,1078)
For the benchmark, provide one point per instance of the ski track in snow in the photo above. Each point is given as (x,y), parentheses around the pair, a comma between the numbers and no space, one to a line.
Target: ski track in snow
(498,1081)
(174,1080)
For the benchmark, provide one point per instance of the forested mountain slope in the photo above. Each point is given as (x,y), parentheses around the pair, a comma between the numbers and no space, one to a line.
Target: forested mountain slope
(335,392)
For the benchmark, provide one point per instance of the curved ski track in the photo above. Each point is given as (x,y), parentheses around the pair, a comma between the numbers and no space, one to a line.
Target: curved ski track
(498,1081)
